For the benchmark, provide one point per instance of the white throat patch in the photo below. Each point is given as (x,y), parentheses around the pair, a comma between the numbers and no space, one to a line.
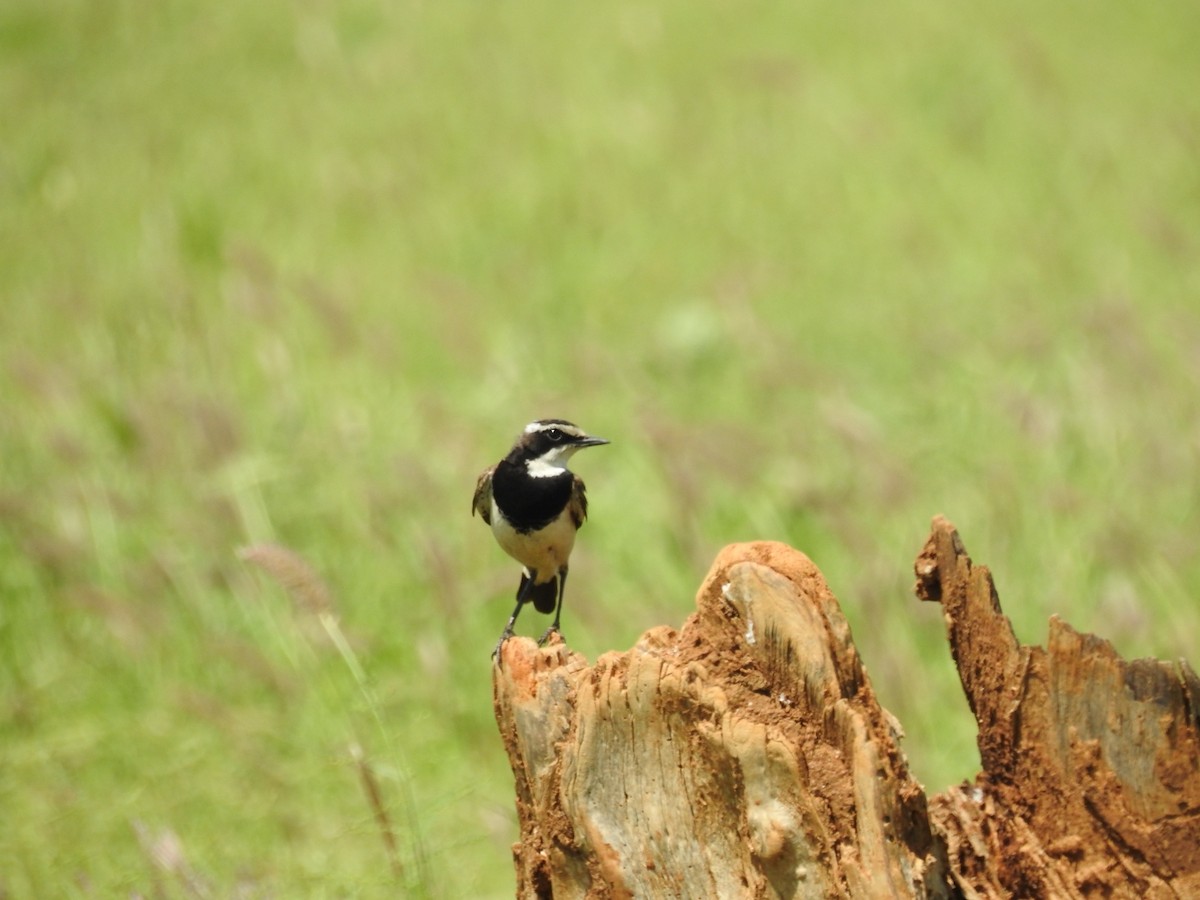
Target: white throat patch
(551,463)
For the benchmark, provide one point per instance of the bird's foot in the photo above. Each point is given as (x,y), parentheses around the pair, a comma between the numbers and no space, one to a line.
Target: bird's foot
(504,636)
(553,629)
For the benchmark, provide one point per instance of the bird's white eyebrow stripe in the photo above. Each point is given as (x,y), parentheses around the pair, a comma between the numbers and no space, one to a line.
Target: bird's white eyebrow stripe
(572,430)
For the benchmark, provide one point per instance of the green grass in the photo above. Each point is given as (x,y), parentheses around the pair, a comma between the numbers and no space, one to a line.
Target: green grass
(293,274)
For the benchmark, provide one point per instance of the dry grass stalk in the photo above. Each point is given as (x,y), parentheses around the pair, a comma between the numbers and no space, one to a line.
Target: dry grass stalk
(294,574)
(166,855)
(374,794)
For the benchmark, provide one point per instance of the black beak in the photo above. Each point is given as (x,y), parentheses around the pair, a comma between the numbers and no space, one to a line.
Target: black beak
(590,442)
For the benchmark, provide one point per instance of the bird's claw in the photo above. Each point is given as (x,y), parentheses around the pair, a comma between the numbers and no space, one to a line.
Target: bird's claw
(504,636)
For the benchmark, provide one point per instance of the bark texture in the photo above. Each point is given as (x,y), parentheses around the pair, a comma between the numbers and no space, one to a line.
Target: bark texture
(1091,764)
(745,755)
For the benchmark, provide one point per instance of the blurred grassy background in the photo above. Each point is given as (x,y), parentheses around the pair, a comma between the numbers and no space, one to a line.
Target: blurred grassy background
(295,273)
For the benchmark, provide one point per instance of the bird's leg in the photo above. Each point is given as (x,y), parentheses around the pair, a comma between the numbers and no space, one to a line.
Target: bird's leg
(562,586)
(526,583)
(508,630)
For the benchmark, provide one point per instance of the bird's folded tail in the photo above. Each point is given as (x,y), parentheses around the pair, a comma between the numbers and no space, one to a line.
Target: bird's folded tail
(544,596)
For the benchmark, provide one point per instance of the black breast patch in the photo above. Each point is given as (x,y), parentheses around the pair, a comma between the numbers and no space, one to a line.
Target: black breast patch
(530,503)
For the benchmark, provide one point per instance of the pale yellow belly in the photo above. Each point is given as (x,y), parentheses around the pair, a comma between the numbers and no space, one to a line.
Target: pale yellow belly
(543,552)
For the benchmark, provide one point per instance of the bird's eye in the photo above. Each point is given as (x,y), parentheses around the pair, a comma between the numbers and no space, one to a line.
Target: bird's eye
(554,434)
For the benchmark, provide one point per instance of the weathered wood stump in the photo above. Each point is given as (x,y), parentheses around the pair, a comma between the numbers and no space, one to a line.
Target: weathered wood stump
(746,755)
(1091,764)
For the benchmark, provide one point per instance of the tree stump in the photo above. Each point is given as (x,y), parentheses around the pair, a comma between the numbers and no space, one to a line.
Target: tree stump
(1091,764)
(746,755)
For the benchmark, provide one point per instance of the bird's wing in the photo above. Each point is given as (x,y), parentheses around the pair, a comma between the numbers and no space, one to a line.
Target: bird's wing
(482,503)
(577,506)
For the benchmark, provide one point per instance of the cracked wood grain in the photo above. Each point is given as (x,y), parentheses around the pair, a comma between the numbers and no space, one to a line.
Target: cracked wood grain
(745,755)
(1091,763)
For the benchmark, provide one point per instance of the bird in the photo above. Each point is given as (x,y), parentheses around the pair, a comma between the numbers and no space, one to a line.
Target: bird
(535,505)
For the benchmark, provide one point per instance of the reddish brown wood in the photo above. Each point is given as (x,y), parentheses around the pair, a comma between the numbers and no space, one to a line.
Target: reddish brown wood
(746,755)
(742,756)
(1091,763)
